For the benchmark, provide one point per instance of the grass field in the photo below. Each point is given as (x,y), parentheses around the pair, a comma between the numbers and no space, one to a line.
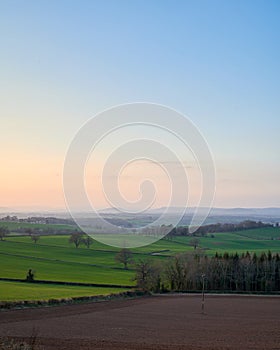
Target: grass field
(266,233)
(11,291)
(238,242)
(54,259)
(17,267)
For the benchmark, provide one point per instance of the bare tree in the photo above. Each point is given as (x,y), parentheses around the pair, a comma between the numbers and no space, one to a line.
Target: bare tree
(194,242)
(29,230)
(3,232)
(76,238)
(88,241)
(124,257)
(35,238)
(147,276)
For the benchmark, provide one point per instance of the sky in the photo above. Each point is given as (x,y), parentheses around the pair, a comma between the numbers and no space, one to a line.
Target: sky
(217,62)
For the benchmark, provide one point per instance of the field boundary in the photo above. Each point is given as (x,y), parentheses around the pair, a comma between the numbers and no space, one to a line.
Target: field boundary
(81,284)
(222,292)
(8,305)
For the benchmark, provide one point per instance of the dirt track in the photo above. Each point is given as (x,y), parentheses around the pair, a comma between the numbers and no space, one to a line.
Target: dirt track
(163,322)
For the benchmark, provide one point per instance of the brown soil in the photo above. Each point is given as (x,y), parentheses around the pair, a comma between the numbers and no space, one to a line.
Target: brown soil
(160,322)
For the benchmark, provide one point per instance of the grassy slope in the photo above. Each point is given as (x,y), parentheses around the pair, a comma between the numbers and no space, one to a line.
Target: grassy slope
(62,253)
(17,267)
(53,258)
(12,291)
(62,241)
(256,240)
(266,233)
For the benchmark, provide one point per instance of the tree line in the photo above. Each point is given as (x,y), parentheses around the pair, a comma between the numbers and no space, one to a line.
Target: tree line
(222,272)
(39,220)
(30,231)
(218,227)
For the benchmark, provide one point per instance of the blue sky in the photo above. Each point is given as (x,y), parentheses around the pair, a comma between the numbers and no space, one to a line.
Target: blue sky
(215,61)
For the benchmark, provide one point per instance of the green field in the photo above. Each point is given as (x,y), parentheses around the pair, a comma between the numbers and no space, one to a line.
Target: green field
(11,291)
(54,258)
(266,233)
(238,242)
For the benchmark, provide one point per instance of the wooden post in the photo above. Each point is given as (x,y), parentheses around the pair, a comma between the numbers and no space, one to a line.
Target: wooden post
(203,297)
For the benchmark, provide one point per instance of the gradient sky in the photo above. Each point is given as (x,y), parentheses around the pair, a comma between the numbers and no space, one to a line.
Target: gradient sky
(218,62)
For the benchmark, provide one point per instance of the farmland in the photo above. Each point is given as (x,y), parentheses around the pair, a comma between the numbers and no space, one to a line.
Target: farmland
(152,323)
(53,258)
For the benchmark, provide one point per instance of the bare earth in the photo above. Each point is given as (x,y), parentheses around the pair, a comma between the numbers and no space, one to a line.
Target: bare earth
(160,322)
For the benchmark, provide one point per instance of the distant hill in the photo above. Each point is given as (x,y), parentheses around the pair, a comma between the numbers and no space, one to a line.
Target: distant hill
(222,215)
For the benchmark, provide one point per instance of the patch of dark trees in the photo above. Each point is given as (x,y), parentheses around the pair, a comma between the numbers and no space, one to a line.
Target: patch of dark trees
(219,227)
(46,230)
(226,272)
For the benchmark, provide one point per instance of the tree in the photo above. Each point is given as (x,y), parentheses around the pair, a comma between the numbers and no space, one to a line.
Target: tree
(29,230)
(76,238)
(35,238)
(3,232)
(124,257)
(30,276)
(147,276)
(194,242)
(88,241)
